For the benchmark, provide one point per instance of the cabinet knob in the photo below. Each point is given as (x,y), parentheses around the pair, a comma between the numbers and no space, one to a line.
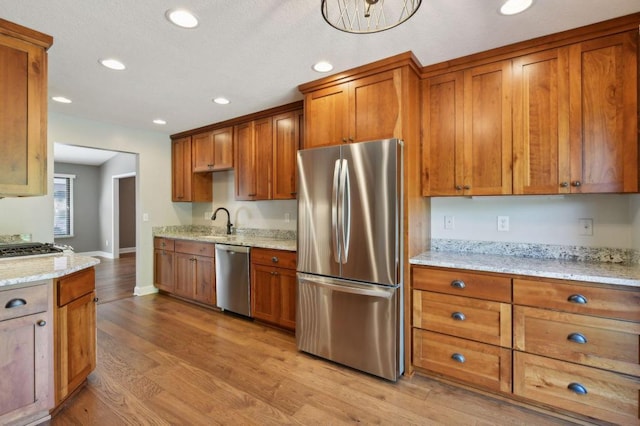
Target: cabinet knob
(344,140)
(458,187)
(577,298)
(351,139)
(466,187)
(564,184)
(577,388)
(41,323)
(458,316)
(458,284)
(95,300)
(458,358)
(577,338)
(210,166)
(576,183)
(14,303)
(275,259)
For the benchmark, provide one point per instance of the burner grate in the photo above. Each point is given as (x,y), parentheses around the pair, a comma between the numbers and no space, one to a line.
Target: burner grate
(27,249)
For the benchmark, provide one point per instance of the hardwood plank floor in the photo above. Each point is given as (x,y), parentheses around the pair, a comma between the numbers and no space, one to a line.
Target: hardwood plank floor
(115,278)
(163,361)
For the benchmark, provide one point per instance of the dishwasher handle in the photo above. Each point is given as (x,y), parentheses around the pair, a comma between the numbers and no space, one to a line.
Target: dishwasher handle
(233,249)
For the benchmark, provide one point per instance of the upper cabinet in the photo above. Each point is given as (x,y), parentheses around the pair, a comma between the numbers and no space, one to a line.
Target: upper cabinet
(213,150)
(467,132)
(287,134)
(253,159)
(23,102)
(367,104)
(576,117)
(186,185)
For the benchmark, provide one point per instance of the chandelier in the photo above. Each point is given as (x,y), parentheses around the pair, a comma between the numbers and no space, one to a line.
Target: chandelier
(367,16)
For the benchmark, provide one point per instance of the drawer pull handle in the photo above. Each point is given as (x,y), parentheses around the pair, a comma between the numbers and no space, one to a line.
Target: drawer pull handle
(275,259)
(458,358)
(458,284)
(458,316)
(577,298)
(577,388)
(41,323)
(577,338)
(14,303)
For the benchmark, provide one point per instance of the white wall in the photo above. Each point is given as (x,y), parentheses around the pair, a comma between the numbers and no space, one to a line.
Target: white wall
(244,214)
(541,220)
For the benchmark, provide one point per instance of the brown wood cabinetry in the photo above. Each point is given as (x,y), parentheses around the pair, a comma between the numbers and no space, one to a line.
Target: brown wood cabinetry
(23,122)
(575,118)
(253,159)
(186,185)
(213,150)
(273,287)
(467,132)
(287,134)
(26,333)
(195,275)
(163,259)
(75,331)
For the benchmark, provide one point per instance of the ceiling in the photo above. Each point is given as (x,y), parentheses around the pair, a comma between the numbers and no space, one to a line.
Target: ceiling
(254,52)
(81,155)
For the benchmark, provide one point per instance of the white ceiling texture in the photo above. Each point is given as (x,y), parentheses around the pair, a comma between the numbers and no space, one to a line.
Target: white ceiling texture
(253,52)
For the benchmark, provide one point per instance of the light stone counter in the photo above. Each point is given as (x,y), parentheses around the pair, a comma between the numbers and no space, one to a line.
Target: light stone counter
(605,273)
(278,240)
(20,270)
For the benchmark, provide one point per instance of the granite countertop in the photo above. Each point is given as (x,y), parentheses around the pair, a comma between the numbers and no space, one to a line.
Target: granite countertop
(247,240)
(598,272)
(20,270)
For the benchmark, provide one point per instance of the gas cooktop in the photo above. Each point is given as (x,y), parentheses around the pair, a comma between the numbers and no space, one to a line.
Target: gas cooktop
(28,249)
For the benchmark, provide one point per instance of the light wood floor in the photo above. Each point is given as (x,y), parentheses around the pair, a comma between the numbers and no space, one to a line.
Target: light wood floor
(115,278)
(162,361)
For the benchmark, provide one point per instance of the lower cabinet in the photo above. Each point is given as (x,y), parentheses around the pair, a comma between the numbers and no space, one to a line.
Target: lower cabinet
(75,331)
(26,336)
(195,273)
(575,346)
(273,287)
(163,258)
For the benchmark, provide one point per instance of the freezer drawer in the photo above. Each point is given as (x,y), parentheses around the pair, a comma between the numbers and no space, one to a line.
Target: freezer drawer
(354,324)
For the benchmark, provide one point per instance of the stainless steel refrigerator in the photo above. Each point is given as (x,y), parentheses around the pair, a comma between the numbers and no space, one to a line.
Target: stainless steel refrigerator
(349,294)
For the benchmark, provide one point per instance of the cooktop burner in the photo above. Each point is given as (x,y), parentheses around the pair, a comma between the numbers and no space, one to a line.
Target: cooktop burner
(27,249)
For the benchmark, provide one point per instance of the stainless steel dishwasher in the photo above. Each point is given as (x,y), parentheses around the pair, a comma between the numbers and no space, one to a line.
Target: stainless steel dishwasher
(232,279)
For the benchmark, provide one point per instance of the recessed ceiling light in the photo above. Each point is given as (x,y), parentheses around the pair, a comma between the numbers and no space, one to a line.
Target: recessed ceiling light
(113,64)
(182,18)
(221,101)
(322,66)
(512,7)
(61,99)
(159,121)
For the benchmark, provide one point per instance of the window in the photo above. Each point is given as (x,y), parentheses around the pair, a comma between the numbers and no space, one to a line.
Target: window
(63,205)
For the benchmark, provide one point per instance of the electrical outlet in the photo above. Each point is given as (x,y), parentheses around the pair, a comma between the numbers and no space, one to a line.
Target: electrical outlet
(503,223)
(449,222)
(145,217)
(586,226)
(207,215)
(287,217)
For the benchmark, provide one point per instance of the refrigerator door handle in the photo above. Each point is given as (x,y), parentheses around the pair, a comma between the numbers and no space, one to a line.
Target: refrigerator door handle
(334,211)
(346,210)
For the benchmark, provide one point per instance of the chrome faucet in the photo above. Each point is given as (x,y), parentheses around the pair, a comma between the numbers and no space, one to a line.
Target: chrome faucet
(229,224)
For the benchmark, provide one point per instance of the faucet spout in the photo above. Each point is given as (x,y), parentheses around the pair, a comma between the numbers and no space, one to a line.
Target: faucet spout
(229,224)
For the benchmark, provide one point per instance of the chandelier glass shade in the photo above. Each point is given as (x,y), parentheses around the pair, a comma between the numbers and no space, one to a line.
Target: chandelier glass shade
(367,16)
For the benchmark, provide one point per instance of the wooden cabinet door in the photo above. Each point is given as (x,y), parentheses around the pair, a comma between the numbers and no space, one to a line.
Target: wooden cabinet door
(264,293)
(541,123)
(202,152)
(326,116)
(163,270)
(23,122)
(222,148)
(604,114)
(443,132)
(181,169)
(287,298)
(205,280)
(184,275)
(487,129)
(76,340)
(286,142)
(374,107)
(253,159)
(26,366)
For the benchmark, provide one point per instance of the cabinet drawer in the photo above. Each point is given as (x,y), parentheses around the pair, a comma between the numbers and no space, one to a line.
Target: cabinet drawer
(480,320)
(609,396)
(25,301)
(281,258)
(70,287)
(579,298)
(160,243)
(195,247)
(598,342)
(476,363)
(462,283)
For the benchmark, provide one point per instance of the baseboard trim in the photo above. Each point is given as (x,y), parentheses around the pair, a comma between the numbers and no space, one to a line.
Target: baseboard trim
(97,253)
(143,291)
(128,250)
